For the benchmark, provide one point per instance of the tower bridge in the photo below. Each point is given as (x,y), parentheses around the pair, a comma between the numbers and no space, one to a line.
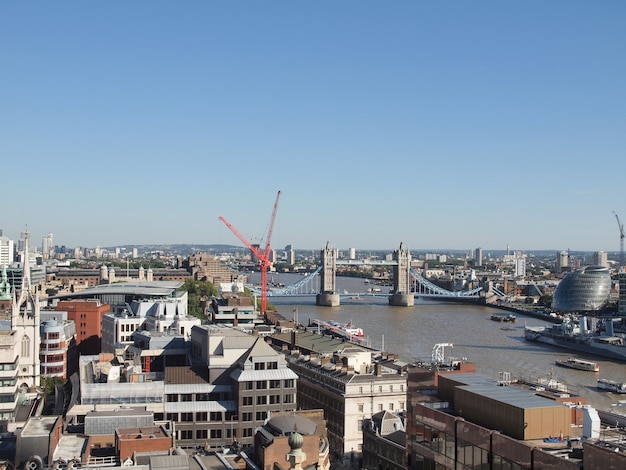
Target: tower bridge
(407,283)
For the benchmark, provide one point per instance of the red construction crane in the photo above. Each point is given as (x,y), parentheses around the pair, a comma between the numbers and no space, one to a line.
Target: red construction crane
(262,255)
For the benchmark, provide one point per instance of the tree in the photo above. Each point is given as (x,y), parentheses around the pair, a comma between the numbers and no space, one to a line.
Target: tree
(197,291)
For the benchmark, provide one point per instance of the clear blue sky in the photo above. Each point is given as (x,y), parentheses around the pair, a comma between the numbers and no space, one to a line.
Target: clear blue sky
(443,125)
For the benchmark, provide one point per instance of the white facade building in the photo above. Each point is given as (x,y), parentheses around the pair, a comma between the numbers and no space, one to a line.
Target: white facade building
(159,315)
(7,251)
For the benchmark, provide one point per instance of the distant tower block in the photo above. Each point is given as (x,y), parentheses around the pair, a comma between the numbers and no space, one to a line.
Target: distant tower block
(328,296)
(401,295)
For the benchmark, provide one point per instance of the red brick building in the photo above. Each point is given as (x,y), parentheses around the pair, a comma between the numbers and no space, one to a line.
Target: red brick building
(148,439)
(87,315)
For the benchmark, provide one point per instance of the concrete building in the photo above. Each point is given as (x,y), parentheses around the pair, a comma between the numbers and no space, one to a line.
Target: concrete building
(520,266)
(478,256)
(103,383)
(160,315)
(7,251)
(58,352)
(562,261)
(37,441)
(205,267)
(344,380)
(601,258)
(247,379)
(233,308)
(458,419)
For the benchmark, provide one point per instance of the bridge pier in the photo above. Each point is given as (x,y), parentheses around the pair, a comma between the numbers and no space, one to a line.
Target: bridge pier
(327,296)
(328,300)
(402,296)
(402,300)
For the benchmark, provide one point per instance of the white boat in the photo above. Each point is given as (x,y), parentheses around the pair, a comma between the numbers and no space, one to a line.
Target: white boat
(612,385)
(345,331)
(579,364)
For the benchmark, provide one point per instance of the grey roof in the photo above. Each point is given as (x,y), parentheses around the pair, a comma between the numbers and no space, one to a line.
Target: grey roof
(512,395)
(285,424)
(149,289)
(268,374)
(169,462)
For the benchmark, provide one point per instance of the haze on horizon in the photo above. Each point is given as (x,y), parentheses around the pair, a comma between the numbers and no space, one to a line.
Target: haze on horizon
(442,125)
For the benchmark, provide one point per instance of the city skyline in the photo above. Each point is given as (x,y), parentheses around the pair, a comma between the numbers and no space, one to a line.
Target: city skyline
(441,126)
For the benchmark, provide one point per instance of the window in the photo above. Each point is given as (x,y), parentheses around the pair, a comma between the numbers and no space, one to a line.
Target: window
(380,407)
(261,384)
(390,406)
(401,405)
(391,388)
(247,432)
(246,401)
(360,407)
(172,416)
(261,400)
(259,366)
(289,383)
(261,415)
(272,365)
(246,416)
(186,417)
(274,383)
(216,433)
(201,434)
(186,397)
(289,399)
(186,434)
(201,416)
(246,386)
(274,399)
(216,416)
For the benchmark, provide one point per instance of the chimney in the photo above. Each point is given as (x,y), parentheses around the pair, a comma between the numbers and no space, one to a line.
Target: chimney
(293,339)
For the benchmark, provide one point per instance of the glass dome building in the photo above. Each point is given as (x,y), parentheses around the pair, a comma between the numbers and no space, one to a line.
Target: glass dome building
(585,289)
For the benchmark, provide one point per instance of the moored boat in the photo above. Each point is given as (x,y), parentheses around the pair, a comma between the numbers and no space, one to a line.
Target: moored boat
(346,331)
(579,364)
(504,318)
(612,385)
(576,336)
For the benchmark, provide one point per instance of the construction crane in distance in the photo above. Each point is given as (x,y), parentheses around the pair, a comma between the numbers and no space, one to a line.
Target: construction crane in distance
(621,241)
(262,254)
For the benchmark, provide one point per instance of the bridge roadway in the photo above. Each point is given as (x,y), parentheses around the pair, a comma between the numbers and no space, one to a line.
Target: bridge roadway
(308,286)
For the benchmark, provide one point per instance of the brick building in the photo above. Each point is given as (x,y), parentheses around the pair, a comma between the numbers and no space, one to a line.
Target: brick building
(87,315)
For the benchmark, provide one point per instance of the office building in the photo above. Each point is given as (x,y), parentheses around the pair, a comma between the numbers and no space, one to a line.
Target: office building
(601,258)
(583,290)
(7,251)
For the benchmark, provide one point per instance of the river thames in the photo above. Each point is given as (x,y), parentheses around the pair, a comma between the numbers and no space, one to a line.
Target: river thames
(411,332)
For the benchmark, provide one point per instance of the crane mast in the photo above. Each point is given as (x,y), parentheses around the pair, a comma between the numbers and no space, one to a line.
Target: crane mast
(263,255)
(621,240)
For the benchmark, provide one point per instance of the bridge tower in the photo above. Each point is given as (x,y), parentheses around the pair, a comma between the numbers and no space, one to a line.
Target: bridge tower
(401,295)
(328,296)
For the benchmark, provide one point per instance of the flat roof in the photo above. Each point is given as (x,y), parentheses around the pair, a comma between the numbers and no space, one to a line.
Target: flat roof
(154,289)
(511,394)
